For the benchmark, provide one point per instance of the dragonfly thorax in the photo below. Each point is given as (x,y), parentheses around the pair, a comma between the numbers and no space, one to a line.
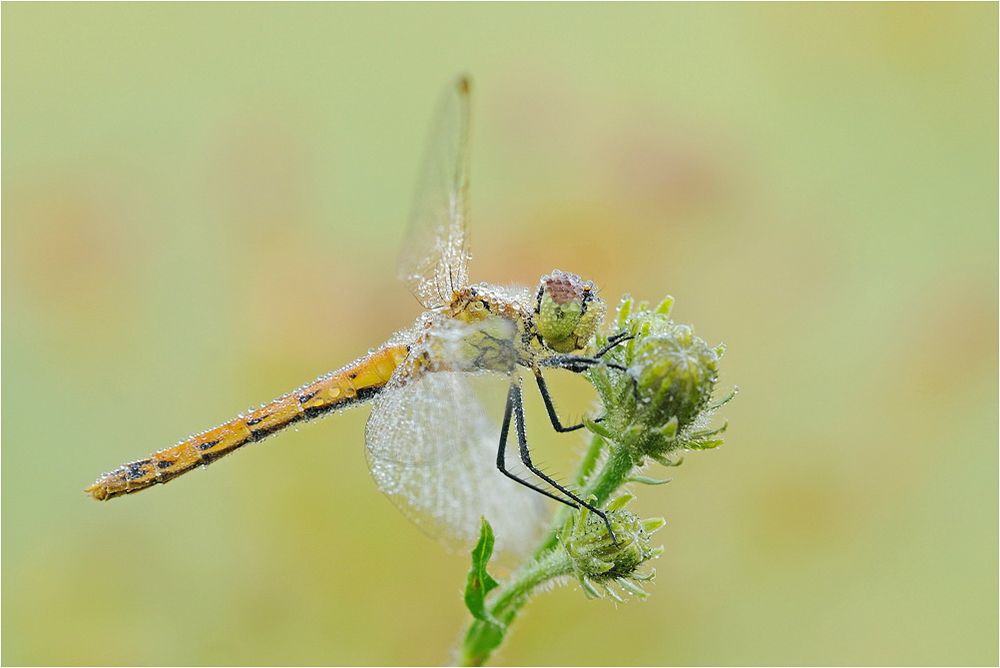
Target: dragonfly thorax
(486,327)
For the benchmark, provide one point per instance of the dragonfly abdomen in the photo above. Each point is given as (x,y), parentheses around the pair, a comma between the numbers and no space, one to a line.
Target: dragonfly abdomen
(356,382)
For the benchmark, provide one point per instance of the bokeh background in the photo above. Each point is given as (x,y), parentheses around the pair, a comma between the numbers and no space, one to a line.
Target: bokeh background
(201,210)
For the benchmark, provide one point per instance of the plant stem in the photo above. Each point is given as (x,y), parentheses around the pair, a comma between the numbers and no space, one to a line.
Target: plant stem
(550,560)
(614,474)
(509,601)
(589,462)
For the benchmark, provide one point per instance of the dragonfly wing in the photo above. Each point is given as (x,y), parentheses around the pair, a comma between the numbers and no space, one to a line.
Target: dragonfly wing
(432,450)
(433,261)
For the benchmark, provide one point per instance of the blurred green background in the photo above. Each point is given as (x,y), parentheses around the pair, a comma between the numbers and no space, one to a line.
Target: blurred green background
(201,210)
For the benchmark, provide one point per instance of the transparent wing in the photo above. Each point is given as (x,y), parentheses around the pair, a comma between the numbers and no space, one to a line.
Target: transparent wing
(433,261)
(432,449)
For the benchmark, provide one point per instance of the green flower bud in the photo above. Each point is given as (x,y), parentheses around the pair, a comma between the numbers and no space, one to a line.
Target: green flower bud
(675,375)
(663,404)
(598,561)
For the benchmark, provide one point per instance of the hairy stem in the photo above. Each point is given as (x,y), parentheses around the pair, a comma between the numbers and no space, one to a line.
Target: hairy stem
(482,637)
(550,560)
(614,474)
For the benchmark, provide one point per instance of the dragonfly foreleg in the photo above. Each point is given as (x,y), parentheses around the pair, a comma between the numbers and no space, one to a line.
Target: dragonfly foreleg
(578,363)
(613,341)
(572,363)
(575,364)
(514,401)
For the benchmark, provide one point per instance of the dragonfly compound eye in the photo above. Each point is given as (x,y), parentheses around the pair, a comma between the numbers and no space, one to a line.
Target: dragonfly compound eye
(569,311)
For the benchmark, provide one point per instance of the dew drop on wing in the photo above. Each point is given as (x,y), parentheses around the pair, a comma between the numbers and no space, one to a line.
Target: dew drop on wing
(431,449)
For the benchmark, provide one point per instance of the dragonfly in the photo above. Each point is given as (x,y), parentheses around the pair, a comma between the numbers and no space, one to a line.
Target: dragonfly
(431,446)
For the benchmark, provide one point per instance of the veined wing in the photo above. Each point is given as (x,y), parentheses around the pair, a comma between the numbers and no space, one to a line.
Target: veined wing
(433,261)
(432,449)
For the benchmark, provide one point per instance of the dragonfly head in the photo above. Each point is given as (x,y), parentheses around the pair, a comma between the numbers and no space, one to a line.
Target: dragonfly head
(568,311)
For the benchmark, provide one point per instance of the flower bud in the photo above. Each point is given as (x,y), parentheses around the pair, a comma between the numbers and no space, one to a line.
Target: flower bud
(675,373)
(662,405)
(600,561)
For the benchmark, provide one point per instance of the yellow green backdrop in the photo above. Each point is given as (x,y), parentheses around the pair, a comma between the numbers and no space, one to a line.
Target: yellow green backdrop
(202,205)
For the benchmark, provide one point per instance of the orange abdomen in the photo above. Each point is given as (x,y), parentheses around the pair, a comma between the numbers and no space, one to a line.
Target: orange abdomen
(356,382)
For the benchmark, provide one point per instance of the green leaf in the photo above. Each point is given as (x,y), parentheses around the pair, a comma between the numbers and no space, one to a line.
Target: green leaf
(724,400)
(486,632)
(704,433)
(624,311)
(589,589)
(664,307)
(632,587)
(597,428)
(480,582)
(704,444)
(646,480)
(669,430)
(480,641)
(620,502)
(653,524)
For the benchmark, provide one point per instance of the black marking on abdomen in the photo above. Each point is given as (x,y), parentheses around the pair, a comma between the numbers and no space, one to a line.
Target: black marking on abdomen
(169,474)
(264,432)
(210,457)
(257,420)
(208,444)
(136,470)
(316,411)
(364,394)
(164,463)
(303,398)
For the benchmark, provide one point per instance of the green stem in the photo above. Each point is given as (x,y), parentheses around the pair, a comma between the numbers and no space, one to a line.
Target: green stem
(483,637)
(590,458)
(614,474)
(550,561)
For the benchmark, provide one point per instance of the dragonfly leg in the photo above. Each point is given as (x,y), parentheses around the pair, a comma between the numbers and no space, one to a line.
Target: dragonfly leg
(572,363)
(613,341)
(502,450)
(550,408)
(581,363)
(514,401)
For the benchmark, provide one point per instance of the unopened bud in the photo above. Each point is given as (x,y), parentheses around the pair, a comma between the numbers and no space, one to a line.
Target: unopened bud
(600,561)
